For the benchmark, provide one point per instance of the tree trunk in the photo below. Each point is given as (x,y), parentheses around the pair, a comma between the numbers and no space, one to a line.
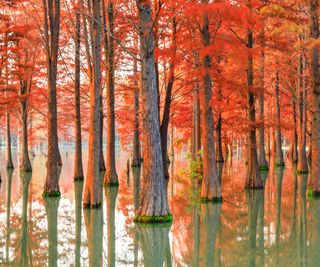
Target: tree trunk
(111,197)
(211,188)
(93,186)
(196,127)
(78,169)
(302,120)
(154,199)
(315,100)
(253,179)
(219,153)
(102,166)
(167,104)
(110,177)
(51,32)
(279,161)
(136,161)
(9,153)
(25,164)
(262,160)
(294,146)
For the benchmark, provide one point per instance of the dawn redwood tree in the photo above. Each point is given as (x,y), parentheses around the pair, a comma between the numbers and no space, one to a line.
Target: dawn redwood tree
(78,168)
(253,179)
(211,187)
(315,99)
(153,205)
(51,24)
(136,160)
(93,185)
(279,161)
(167,102)
(110,177)
(302,117)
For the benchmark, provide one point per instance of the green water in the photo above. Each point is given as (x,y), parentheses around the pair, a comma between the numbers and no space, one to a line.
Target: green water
(279,226)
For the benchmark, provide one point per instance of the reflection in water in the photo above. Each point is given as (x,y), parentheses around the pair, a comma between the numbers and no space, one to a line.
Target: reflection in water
(154,243)
(302,220)
(210,221)
(25,249)
(94,225)
(8,204)
(78,188)
(111,197)
(254,198)
(279,226)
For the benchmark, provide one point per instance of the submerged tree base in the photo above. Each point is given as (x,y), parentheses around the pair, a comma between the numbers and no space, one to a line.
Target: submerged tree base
(248,187)
(211,200)
(301,172)
(111,184)
(75,179)
(264,168)
(135,164)
(51,194)
(94,206)
(279,165)
(312,194)
(153,219)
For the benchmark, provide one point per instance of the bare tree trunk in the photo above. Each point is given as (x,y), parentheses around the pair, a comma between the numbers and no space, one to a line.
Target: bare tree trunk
(219,153)
(196,127)
(153,198)
(302,120)
(8,145)
(51,31)
(136,160)
(102,166)
(211,188)
(167,105)
(110,177)
(78,169)
(279,161)
(93,185)
(262,160)
(253,180)
(294,145)
(315,97)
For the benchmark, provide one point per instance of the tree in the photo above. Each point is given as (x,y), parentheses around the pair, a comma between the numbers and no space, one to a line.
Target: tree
(153,205)
(51,25)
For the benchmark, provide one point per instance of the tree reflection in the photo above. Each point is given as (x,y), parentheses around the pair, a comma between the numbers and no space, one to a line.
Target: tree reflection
(302,220)
(136,172)
(93,219)
(255,199)
(78,188)
(279,176)
(111,197)
(209,224)
(154,243)
(25,247)
(8,203)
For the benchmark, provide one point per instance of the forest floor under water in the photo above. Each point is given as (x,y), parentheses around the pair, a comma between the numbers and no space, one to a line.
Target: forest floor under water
(279,226)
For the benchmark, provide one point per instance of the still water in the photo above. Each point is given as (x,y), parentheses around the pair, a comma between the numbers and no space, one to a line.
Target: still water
(279,226)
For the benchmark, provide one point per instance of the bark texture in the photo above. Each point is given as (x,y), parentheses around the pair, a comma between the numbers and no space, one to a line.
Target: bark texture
(78,169)
(9,162)
(110,177)
(51,10)
(253,179)
(211,188)
(315,99)
(153,198)
(279,161)
(93,185)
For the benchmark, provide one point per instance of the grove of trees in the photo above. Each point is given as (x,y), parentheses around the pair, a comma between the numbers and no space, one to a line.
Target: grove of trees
(210,75)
